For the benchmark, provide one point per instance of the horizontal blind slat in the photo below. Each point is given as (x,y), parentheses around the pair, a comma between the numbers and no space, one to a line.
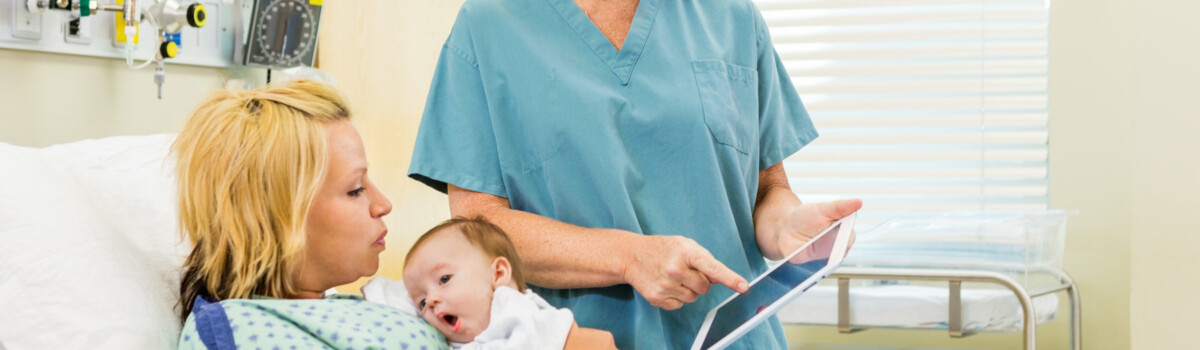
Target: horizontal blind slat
(773,5)
(919,68)
(961,31)
(909,50)
(917,173)
(896,14)
(883,153)
(960,85)
(817,103)
(827,121)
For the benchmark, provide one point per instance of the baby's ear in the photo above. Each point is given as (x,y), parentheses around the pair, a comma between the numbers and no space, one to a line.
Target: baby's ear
(501,272)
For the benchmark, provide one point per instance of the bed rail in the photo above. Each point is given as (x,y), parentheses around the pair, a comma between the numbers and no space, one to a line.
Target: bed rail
(955,278)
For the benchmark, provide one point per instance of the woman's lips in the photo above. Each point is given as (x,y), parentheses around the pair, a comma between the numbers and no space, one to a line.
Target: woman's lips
(380,241)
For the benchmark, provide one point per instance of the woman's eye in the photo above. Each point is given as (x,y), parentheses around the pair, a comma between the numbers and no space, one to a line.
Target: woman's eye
(356,192)
(445,279)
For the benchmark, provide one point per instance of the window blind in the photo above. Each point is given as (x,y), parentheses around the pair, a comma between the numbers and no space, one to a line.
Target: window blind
(923,105)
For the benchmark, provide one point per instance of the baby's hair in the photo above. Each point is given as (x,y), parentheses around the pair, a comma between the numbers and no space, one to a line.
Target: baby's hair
(483,234)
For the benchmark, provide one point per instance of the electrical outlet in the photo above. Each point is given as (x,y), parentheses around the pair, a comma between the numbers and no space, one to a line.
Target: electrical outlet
(78,30)
(26,25)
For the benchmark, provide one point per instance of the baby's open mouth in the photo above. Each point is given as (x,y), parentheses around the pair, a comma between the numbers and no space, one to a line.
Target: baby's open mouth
(453,322)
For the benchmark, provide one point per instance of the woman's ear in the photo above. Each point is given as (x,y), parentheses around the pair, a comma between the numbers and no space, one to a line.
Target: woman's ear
(501,273)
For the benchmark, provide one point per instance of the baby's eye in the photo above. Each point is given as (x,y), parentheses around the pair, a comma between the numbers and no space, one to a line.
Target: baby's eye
(421,305)
(445,278)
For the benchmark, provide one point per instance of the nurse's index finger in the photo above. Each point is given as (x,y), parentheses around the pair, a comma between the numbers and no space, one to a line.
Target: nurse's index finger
(718,273)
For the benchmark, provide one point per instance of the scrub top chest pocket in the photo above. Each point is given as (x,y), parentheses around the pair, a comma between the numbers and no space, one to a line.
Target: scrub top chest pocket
(729,96)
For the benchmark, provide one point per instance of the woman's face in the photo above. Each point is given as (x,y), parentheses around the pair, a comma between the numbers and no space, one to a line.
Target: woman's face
(345,223)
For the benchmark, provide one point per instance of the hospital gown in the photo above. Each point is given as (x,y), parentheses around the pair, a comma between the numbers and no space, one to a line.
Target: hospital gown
(531,102)
(340,321)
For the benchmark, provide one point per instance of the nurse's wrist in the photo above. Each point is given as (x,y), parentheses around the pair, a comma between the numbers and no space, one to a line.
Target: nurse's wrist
(624,253)
(771,221)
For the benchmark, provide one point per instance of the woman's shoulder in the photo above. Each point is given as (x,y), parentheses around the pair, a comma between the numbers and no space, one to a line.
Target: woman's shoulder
(343,319)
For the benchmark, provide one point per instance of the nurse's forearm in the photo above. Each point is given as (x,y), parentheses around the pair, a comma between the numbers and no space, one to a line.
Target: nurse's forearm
(553,254)
(775,202)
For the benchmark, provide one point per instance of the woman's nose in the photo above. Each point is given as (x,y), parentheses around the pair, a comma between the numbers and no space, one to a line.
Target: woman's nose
(380,206)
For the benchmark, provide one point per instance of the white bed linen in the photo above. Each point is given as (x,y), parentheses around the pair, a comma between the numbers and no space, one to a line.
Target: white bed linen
(89,245)
(910,306)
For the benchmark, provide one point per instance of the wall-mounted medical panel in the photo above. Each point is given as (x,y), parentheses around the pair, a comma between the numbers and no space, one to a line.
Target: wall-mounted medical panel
(64,32)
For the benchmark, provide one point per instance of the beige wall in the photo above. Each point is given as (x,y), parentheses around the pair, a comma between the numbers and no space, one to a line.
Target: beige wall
(54,98)
(1166,174)
(1091,150)
(383,53)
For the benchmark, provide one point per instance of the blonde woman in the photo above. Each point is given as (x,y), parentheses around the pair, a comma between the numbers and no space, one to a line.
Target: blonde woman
(275,198)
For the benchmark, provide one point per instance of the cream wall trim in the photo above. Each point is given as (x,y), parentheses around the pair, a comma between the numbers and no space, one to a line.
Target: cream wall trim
(1091,157)
(382,54)
(1166,174)
(54,98)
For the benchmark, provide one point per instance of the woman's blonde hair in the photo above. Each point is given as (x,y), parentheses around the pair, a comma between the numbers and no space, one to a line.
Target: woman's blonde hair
(249,165)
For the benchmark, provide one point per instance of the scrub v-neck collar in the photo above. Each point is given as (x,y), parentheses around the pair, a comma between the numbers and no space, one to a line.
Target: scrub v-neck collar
(621,62)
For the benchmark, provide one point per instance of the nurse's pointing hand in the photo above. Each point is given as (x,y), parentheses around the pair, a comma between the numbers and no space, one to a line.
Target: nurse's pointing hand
(670,271)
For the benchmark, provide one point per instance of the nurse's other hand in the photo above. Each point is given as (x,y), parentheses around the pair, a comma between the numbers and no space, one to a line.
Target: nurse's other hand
(807,220)
(670,271)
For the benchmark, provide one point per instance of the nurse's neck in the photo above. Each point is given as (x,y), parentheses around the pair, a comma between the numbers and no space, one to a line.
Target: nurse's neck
(612,17)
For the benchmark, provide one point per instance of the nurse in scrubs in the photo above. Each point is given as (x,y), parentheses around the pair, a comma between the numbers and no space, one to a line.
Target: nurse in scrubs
(631,149)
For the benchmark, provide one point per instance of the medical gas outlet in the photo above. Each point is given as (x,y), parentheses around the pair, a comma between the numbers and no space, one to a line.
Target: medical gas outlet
(168,17)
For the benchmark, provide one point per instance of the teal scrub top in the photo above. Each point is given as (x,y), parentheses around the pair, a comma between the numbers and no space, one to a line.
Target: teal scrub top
(532,103)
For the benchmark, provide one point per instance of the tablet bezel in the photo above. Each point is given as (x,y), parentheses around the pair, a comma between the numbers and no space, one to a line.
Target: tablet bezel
(844,227)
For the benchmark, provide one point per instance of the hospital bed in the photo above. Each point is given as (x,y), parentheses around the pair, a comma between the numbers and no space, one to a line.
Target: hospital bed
(909,273)
(960,311)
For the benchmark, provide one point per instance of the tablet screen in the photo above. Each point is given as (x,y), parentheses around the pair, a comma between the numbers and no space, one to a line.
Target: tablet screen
(778,282)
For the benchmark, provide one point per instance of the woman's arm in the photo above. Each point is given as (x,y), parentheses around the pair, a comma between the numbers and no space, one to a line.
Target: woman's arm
(580,338)
(782,223)
(667,270)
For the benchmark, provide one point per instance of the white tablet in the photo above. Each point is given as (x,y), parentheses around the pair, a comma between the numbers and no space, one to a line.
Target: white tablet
(777,287)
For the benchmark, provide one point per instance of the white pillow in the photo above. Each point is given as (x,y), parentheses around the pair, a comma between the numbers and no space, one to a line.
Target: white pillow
(90,252)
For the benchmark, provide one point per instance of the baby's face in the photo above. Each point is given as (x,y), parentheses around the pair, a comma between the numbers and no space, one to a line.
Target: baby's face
(451,282)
